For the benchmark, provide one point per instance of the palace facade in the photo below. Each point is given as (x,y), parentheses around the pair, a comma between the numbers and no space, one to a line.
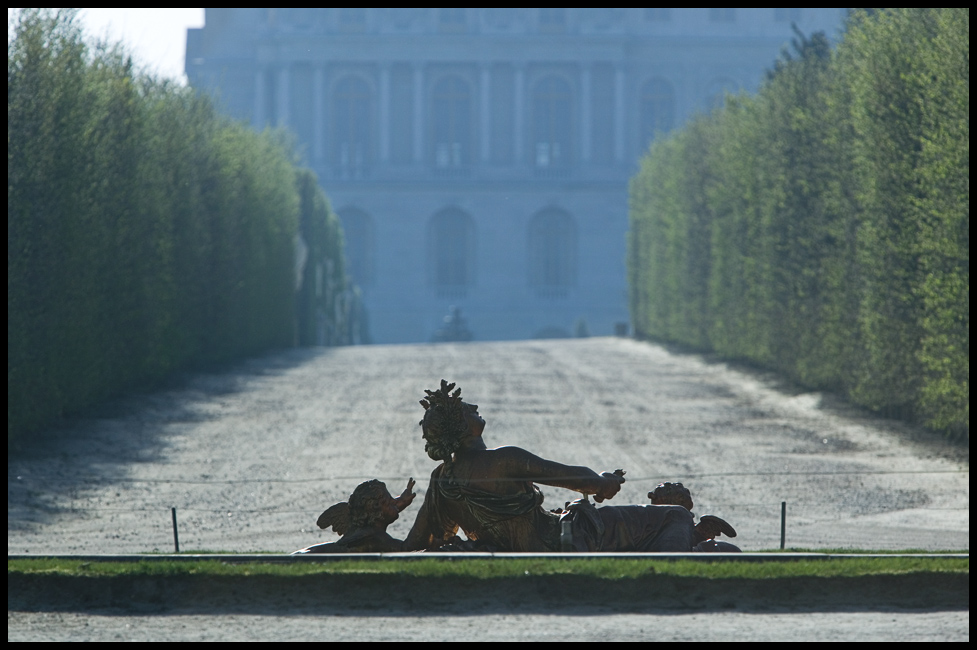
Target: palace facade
(480,158)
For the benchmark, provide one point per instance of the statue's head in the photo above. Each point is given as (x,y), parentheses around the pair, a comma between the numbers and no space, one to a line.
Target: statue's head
(368,505)
(671,494)
(447,421)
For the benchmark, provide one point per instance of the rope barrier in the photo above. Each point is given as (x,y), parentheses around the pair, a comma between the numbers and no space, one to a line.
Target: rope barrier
(282,511)
(401,478)
(278,511)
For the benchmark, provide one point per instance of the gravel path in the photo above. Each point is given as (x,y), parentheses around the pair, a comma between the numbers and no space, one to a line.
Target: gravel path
(721,627)
(251,456)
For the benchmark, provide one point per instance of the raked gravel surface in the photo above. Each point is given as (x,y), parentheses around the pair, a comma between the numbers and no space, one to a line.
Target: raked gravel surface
(557,626)
(250,456)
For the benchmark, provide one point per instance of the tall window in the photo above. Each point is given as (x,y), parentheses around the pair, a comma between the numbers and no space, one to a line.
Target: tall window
(502,114)
(552,19)
(602,118)
(722,15)
(352,20)
(552,123)
(788,15)
(451,20)
(451,252)
(302,118)
(300,17)
(658,15)
(270,99)
(451,112)
(657,109)
(352,126)
(552,253)
(401,114)
(358,234)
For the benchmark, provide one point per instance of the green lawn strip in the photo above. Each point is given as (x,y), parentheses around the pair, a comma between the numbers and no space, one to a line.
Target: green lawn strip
(862,551)
(610,568)
(824,551)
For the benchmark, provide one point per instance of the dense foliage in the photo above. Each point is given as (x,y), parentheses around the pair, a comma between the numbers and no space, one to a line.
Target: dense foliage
(330,310)
(822,227)
(145,233)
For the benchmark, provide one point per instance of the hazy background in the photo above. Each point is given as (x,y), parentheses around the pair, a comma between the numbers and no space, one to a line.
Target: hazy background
(156,36)
(488,169)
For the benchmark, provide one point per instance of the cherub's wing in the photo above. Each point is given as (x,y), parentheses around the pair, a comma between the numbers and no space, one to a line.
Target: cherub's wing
(718,524)
(336,516)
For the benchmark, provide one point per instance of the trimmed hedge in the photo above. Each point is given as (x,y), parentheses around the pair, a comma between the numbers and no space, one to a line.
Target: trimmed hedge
(145,232)
(821,227)
(330,310)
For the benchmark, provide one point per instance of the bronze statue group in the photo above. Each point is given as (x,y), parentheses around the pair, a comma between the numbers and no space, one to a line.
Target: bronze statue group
(492,495)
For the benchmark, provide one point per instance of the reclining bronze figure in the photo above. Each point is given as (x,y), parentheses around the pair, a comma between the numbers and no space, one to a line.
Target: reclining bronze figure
(492,495)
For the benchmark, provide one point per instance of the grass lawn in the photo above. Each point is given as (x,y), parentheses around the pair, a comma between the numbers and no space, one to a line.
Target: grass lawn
(494,568)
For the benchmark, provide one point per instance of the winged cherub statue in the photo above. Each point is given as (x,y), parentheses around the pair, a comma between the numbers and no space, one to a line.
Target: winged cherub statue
(362,521)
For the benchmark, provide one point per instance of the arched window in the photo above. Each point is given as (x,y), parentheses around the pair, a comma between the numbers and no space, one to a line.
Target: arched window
(552,123)
(451,252)
(301,17)
(452,19)
(552,253)
(552,20)
(358,234)
(352,126)
(657,109)
(451,127)
(352,20)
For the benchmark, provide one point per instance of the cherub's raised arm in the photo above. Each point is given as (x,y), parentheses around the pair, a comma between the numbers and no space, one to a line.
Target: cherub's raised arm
(521,464)
(406,497)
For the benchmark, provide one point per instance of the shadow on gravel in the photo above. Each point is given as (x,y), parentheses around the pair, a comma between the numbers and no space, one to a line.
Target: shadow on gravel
(897,424)
(96,447)
(386,595)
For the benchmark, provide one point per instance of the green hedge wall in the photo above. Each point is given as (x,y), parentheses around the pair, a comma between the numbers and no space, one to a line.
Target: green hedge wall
(821,227)
(145,233)
(330,311)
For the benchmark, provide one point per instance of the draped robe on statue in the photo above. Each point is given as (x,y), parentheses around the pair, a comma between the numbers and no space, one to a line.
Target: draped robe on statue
(518,523)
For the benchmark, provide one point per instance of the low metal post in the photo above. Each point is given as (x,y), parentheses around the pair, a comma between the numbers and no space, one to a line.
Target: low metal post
(783,523)
(176,536)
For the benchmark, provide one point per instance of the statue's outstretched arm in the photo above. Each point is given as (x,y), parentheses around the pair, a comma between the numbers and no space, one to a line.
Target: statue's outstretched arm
(521,464)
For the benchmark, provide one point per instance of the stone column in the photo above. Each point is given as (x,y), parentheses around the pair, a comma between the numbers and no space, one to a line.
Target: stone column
(384,113)
(418,113)
(586,102)
(519,106)
(619,113)
(284,98)
(485,122)
(318,116)
(259,100)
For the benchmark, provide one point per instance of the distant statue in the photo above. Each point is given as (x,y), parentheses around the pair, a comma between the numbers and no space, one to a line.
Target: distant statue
(455,328)
(491,495)
(580,329)
(363,520)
